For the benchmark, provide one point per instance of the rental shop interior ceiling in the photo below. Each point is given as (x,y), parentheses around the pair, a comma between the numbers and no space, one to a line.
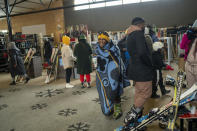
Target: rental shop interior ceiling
(21,6)
(162,13)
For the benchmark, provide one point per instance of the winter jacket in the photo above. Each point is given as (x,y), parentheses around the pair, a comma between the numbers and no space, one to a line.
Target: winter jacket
(140,65)
(15,59)
(185,44)
(157,59)
(83,53)
(67,57)
(191,63)
(47,50)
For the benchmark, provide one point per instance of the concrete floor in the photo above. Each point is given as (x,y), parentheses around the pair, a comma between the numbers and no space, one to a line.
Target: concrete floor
(51,107)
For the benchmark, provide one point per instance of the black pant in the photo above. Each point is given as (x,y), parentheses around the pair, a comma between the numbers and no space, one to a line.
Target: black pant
(160,83)
(68,74)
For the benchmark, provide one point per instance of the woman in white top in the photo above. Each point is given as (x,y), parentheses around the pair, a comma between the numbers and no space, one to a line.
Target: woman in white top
(67,60)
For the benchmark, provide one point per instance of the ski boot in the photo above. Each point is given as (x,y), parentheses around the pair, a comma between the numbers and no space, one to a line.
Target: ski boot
(170,80)
(117,111)
(132,116)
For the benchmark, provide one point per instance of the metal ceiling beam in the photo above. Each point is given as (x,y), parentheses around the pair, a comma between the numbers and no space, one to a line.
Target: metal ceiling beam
(2,9)
(50,4)
(21,1)
(8,19)
(57,8)
(13,6)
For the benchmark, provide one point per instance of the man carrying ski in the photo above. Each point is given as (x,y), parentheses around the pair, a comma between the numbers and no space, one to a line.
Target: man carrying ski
(140,68)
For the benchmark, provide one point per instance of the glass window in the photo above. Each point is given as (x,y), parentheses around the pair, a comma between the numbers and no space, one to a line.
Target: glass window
(95,0)
(82,7)
(131,1)
(113,3)
(78,2)
(97,5)
(147,0)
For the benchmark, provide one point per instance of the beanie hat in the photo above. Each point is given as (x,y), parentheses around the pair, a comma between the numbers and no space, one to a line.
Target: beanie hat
(195,24)
(82,37)
(137,20)
(104,35)
(157,46)
(66,40)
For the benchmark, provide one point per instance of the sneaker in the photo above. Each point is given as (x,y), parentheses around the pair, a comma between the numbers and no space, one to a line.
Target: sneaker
(131,116)
(82,85)
(13,83)
(117,111)
(88,85)
(69,85)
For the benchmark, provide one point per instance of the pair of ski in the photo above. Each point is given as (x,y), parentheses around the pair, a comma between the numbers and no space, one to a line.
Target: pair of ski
(172,107)
(27,63)
(54,65)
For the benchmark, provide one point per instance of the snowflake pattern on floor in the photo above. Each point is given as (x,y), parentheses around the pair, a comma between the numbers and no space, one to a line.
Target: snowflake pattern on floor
(14,89)
(3,106)
(124,98)
(79,127)
(49,93)
(78,92)
(96,100)
(67,112)
(39,106)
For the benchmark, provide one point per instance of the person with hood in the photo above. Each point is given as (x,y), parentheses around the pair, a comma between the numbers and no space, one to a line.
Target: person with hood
(16,63)
(158,64)
(122,44)
(83,54)
(189,43)
(110,76)
(140,68)
(47,50)
(67,59)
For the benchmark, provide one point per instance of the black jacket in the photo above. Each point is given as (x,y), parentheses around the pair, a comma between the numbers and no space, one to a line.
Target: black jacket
(140,65)
(83,53)
(47,50)
(158,63)
(15,59)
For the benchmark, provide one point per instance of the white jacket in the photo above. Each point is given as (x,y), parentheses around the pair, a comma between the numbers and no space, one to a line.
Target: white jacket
(67,57)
